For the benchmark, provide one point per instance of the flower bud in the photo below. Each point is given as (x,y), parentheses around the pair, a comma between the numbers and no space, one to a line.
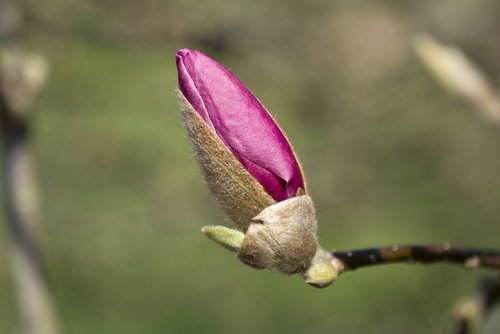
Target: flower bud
(241,122)
(249,166)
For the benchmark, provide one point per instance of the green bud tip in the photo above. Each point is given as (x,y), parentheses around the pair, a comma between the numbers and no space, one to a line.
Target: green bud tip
(320,275)
(226,237)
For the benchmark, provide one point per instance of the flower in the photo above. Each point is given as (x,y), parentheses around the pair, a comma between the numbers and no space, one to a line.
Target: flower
(252,171)
(241,122)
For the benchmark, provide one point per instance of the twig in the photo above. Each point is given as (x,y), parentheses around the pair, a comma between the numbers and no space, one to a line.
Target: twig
(467,257)
(21,78)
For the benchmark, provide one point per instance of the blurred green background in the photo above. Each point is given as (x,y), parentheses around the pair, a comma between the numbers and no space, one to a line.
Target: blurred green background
(390,158)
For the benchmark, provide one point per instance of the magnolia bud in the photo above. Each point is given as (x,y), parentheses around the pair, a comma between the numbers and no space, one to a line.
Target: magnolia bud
(250,167)
(239,120)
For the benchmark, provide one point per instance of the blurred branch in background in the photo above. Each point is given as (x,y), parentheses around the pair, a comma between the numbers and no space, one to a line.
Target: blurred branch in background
(22,76)
(470,313)
(459,75)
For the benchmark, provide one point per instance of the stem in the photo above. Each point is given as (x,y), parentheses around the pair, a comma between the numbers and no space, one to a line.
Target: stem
(468,257)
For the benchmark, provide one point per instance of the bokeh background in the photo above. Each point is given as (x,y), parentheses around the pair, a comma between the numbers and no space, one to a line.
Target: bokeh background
(390,158)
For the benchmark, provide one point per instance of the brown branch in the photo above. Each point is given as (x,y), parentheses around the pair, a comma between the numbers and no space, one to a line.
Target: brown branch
(468,257)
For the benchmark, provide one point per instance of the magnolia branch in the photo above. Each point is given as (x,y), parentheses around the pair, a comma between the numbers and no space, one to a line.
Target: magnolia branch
(326,266)
(470,258)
